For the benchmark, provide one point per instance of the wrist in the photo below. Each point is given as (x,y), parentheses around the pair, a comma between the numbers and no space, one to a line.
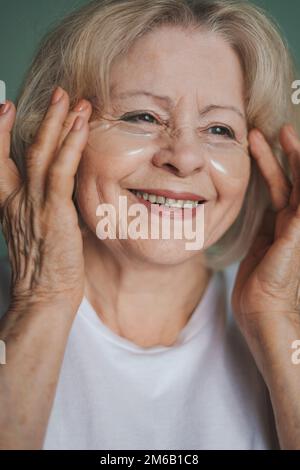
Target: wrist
(38,315)
(271,337)
(21,303)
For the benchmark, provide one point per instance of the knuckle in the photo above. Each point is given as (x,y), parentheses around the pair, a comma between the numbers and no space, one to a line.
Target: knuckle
(34,150)
(69,145)
(68,123)
(55,173)
(48,123)
(48,120)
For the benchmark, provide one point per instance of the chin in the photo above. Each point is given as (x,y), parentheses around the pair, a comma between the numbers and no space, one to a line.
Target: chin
(164,252)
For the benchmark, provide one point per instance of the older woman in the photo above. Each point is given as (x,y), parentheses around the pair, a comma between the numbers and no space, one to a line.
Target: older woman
(130,342)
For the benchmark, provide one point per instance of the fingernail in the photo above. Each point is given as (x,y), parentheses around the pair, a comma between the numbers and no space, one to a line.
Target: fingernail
(4,108)
(57,95)
(78,123)
(80,106)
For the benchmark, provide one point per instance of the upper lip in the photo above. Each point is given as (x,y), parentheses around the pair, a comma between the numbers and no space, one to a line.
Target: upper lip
(185,196)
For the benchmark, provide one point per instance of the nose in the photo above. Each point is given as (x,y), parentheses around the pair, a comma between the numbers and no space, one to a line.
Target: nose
(181,154)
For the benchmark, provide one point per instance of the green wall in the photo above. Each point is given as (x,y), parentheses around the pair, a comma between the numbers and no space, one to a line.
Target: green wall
(23,23)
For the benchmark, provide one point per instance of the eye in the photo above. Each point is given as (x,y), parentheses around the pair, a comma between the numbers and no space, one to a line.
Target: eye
(222,131)
(141,117)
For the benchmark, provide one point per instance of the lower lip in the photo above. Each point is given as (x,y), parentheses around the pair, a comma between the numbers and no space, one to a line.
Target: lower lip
(164,211)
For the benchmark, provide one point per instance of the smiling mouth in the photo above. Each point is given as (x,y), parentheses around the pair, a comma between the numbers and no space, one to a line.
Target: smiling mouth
(167,201)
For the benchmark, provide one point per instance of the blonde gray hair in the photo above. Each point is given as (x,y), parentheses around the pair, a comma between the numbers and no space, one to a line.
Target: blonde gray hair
(78,53)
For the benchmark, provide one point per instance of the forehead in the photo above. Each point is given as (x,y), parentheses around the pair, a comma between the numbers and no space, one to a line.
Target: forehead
(176,62)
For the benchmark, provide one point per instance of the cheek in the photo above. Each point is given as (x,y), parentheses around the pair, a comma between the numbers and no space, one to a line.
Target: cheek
(108,159)
(229,160)
(230,187)
(230,169)
(113,155)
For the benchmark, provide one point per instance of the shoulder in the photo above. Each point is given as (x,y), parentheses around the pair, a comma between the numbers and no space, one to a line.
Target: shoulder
(5,273)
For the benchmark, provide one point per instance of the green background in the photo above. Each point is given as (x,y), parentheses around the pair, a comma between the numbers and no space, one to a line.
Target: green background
(23,23)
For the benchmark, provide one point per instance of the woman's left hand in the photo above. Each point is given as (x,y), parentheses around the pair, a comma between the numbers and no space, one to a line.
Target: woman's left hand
(266,295)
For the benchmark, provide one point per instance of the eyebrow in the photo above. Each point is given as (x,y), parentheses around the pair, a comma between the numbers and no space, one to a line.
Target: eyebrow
(170,103)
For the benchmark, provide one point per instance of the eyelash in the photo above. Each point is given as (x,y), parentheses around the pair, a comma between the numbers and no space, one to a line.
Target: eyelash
(127,116)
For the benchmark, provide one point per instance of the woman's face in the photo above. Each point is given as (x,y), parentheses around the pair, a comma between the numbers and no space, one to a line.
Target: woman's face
(191,81)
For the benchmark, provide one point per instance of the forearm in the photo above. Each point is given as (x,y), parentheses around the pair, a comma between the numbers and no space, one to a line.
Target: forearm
(35,337)
(282,376)
(284,392)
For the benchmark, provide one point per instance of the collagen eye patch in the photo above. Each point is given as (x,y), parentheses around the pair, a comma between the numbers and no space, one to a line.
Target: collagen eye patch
(221,155)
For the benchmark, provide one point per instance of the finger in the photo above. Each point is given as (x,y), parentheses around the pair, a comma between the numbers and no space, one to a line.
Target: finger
(83,108)
(278,184)
(42,150)
(9,175)
(291,146)
(60,179)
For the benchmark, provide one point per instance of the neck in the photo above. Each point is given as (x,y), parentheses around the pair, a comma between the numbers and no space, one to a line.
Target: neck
(148,304)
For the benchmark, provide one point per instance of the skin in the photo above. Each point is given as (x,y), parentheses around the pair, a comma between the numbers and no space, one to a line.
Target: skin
(129,271)
(45,299)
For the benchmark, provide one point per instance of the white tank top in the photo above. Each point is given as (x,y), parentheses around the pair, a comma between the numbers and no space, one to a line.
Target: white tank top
(204,392)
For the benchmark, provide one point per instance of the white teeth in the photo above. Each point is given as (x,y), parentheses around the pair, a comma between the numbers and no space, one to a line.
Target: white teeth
(152,198)
(177,203)
(160,199)
(189,204)
(170,202)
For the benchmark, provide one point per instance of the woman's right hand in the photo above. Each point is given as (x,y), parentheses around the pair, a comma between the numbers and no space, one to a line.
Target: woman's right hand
(38,216)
